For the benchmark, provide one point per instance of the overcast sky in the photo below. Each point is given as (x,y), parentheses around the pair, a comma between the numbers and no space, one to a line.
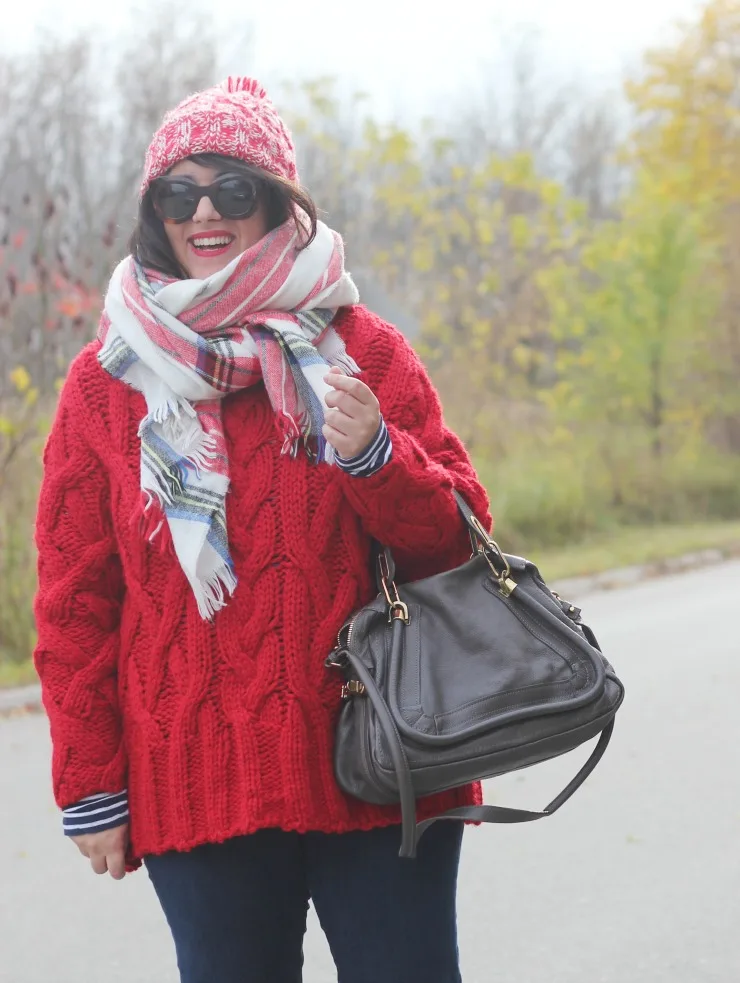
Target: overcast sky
(404,53)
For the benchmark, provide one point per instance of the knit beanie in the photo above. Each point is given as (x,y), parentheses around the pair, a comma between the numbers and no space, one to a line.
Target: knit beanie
(234,118)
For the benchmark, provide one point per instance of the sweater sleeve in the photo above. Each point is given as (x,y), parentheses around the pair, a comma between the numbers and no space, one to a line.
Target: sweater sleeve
(408,503)
(77,608)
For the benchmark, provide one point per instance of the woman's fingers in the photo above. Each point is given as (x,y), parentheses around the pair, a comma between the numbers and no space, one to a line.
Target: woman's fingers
(105,850)
(112,861)
(99,863)
(353,415)
(346,403)
(117,865)
(339,421)
(352,386)
(342,444)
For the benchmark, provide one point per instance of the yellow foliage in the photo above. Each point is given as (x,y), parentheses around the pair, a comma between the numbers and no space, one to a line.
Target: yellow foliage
(689,95)
(519,171)
(484,230)
(397,147)
(551,193)
(489,283)
(521,232)
(443,293)
(422,257)
(381,258)
(20,379)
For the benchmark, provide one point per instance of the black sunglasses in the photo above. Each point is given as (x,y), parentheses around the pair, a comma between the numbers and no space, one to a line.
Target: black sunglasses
(177,200)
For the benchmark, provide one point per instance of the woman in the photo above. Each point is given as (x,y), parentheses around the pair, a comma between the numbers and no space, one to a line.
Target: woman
(221,460)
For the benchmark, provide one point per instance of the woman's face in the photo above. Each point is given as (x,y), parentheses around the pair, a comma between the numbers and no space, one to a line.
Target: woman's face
(188,239)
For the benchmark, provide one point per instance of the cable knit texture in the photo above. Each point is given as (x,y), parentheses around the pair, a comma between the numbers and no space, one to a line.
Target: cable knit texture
(220,729)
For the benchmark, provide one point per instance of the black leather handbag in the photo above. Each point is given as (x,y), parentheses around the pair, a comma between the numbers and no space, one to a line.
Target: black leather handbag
(462,676)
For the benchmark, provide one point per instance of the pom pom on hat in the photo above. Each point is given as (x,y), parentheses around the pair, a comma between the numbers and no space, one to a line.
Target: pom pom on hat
(236,119)
(241,83)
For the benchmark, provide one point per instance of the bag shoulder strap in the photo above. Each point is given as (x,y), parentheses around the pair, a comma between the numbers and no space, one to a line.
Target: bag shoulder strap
(503,814)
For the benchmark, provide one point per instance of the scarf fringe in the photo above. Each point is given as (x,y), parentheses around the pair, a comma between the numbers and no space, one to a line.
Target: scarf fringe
(344,361)
(151,525)
(210,594)
(197,451)
(171,406)
(193,444)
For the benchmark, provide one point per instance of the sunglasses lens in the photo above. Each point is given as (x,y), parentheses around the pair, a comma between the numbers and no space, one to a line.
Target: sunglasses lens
(236,197)
(175,201)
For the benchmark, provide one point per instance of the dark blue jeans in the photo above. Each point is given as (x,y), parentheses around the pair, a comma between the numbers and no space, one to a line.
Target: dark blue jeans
(237,910)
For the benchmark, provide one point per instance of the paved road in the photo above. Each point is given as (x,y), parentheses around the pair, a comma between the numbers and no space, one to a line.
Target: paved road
(637,880)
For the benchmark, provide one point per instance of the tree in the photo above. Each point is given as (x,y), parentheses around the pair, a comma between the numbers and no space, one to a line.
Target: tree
(688,140)
(635,379)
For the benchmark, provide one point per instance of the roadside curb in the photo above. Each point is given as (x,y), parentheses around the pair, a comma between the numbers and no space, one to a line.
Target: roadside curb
(574,588)
(27,699)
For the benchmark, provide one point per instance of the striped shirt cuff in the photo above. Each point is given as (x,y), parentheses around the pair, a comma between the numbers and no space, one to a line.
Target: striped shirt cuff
(373,458)
(96,813)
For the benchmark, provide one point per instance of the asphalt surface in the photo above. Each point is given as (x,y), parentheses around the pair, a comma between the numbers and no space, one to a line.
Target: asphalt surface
(636,880)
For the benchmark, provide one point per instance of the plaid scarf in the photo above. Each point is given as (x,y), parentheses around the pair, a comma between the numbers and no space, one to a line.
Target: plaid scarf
(185,344)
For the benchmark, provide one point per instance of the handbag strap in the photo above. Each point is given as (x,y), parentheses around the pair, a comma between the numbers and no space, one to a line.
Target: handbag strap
(411,831)
(398,755)
(465,510)
(503,814)
(382,554)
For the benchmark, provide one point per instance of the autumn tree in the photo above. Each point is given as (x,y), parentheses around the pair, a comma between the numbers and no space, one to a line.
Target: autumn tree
(634,380)
(688,139)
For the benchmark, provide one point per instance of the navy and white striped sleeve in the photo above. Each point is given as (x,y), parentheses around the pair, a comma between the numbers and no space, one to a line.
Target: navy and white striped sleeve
(373,458)
(96,813)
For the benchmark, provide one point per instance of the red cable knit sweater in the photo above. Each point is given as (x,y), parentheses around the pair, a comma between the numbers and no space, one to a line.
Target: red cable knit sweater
(220,729)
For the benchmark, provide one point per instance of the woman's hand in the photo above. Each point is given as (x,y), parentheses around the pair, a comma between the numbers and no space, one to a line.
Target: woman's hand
(106,851)
(353,417)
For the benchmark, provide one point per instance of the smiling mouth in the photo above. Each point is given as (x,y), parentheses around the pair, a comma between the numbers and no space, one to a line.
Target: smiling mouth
(210,245)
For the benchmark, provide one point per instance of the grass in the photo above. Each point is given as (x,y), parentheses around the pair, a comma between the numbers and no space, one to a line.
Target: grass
(632,545)
(14,674)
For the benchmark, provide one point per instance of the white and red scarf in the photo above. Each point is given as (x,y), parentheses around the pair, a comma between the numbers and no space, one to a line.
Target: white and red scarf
(185,344)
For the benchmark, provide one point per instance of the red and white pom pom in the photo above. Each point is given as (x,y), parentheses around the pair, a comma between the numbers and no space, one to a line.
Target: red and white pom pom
(242,83)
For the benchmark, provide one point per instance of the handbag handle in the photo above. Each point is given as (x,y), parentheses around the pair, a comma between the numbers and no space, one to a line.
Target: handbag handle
(411,831)
(480,541)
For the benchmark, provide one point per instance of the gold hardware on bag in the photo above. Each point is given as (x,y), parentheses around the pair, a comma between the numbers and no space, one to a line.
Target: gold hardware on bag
(477,525)
(396,608)
(400,612)
(352,688)
(506,584)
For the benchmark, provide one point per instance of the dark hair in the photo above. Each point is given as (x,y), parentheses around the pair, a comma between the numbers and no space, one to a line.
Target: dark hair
(151,247)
